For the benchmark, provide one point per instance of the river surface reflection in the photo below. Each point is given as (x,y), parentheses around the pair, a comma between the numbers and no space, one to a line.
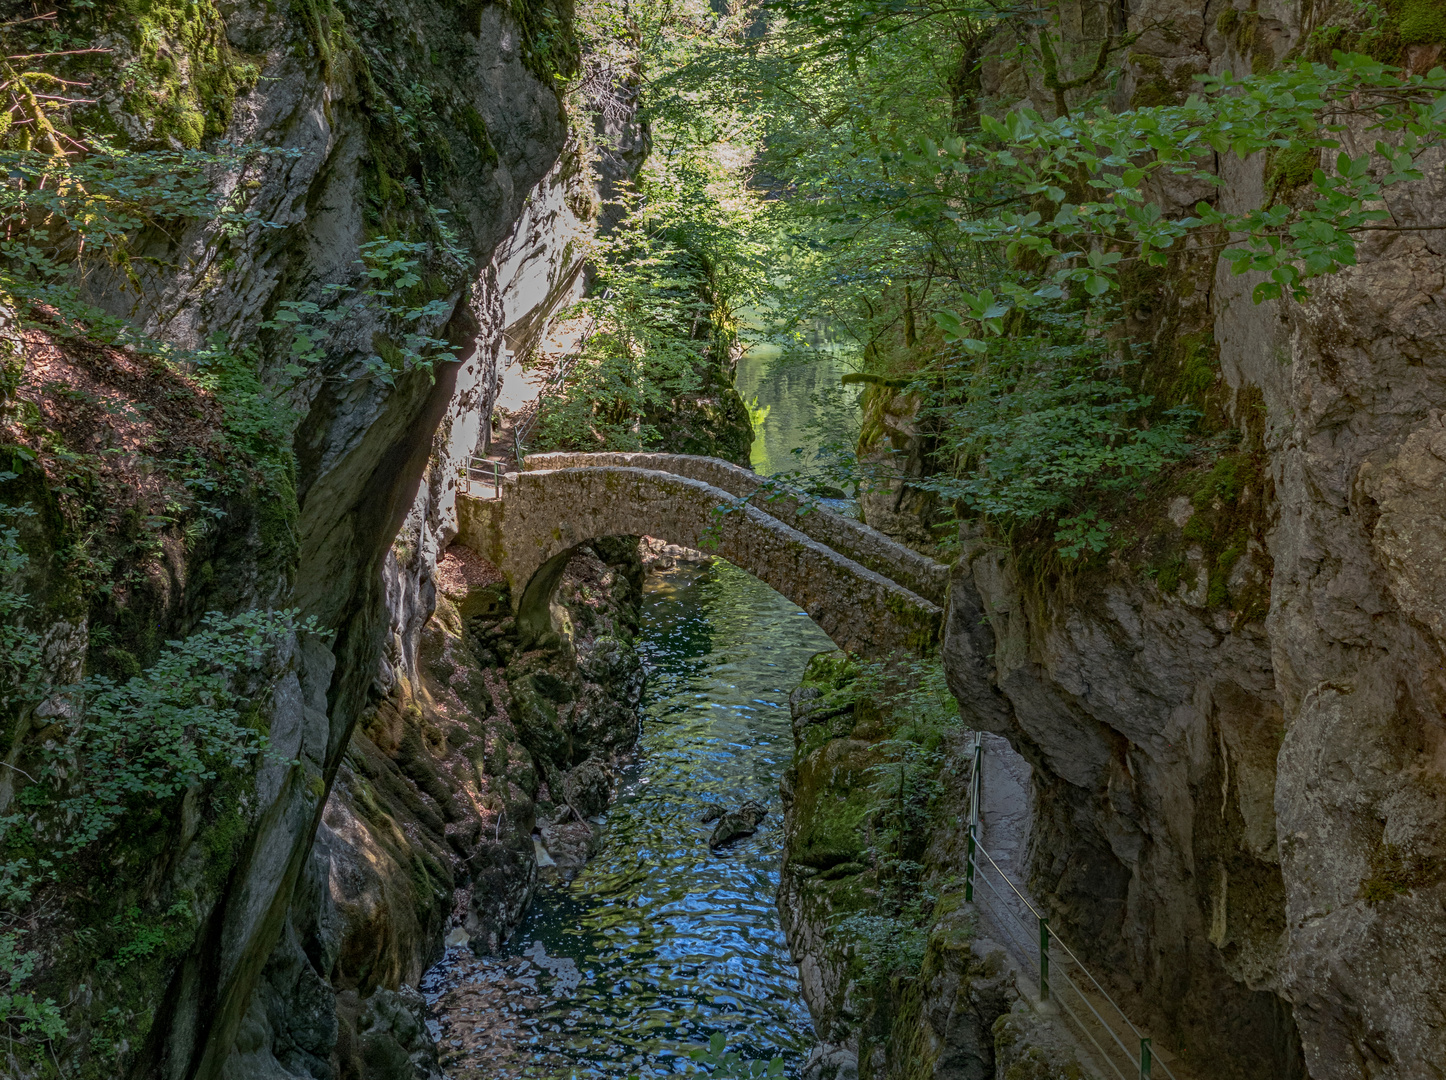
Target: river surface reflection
(791,396)
(658,942)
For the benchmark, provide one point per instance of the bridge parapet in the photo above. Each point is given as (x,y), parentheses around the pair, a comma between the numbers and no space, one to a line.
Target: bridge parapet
(868,547)
(544,514)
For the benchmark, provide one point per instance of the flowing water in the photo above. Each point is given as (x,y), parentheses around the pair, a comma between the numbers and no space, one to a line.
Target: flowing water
(659,942)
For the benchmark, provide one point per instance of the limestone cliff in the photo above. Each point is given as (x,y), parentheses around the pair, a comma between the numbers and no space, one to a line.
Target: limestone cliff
(899,973)
(443,125)
(1235,728)
(1234,722)
(459,790)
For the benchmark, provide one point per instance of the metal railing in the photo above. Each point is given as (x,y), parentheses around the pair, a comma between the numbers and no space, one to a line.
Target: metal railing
(483,479)
(1118,1042)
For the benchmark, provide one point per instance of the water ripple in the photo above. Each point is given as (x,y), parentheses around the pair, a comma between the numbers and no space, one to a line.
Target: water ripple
(659,942)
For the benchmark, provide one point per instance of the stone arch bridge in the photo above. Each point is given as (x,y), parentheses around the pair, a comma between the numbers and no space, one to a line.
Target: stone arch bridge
(870,594)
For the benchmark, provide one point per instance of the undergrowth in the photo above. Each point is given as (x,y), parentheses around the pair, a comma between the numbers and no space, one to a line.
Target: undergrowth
(82,755)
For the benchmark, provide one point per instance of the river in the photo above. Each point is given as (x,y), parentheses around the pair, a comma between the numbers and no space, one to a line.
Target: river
(659,942)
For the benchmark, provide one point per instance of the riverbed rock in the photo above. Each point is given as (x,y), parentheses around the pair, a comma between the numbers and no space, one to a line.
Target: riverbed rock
(588,788)
(662,555)
(736,824)
(830,1061)
(565,849)
(712,812)
(393,1040)
(1029,1045)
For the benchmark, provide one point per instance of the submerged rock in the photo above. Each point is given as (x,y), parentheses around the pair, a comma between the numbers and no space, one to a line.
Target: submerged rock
(737,824)
(712,812)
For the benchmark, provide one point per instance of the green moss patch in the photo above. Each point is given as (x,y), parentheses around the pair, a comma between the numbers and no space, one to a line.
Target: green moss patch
(550,47)
(1422,22)
(1380,31)
(171,66)
(1288,171)
(832,804)
(1397,872)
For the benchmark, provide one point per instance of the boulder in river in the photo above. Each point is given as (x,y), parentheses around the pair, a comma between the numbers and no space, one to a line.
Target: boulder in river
(588,789)
(567,845)
(712,812)
(737,824)
(393,1036)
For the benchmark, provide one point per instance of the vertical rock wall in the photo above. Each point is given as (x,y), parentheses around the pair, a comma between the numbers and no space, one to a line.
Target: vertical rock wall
(405,119)
(444,754)
(1240,804)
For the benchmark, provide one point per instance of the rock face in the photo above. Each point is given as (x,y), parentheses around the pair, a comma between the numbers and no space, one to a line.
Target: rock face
(898,987)
(1239,784)
(893,451)
(1152,729)
(457,794)
(1356,632)
(437,124)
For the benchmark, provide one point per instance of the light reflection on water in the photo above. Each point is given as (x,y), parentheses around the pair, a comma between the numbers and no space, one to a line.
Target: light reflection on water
(787,390)
(670,942)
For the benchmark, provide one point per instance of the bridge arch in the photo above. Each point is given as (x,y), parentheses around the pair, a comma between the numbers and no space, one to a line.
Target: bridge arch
(544,515)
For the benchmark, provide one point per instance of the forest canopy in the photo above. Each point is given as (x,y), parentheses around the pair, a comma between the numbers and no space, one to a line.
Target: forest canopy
(1008,207)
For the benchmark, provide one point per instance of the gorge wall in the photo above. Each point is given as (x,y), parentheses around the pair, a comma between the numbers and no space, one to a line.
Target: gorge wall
(1234,726)
(457,733)
(413,757)
(1236,746)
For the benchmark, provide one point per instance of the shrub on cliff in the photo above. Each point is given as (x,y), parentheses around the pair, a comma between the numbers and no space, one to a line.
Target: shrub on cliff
(82,753)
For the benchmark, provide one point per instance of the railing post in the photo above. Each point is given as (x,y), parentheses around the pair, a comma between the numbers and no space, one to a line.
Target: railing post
(969,870)
(1144,1059)
(1043,958)
(974,780)
(978,780)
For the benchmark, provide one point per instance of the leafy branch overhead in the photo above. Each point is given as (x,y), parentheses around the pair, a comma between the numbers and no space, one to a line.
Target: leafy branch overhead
(956,189)
(1090,177)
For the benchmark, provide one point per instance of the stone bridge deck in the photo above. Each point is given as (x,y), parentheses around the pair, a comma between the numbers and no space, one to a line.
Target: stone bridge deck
(868,547)
(871,595)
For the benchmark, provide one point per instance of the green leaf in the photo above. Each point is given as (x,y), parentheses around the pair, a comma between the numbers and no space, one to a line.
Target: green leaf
(993,126)
(951,324)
